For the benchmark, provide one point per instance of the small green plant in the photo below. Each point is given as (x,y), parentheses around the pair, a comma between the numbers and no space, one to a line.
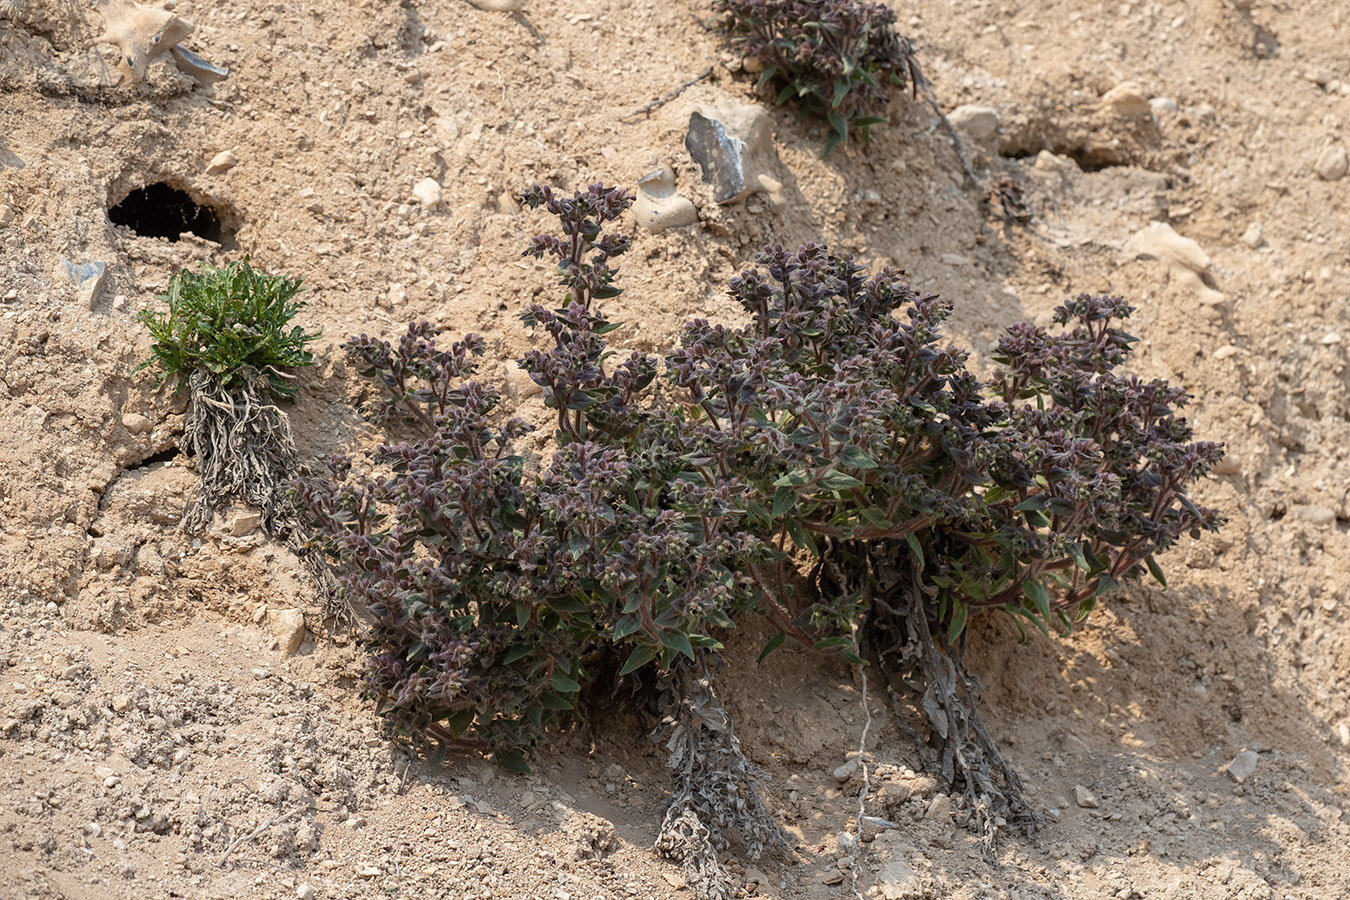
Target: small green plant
(837,59)
(232,322)
(227,338)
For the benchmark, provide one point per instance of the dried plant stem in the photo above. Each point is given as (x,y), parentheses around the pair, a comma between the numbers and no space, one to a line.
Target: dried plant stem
(667,97)
(967,757)
(242,839)
(865,791)
(245,451)
(716,789)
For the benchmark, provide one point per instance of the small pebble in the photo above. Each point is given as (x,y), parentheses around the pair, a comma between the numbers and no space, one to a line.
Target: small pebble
(1083,797)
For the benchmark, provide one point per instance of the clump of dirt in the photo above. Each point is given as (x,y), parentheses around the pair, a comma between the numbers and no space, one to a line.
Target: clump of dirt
(153,732)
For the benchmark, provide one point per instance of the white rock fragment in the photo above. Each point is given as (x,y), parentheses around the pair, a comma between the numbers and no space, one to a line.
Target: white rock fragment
(1163,106)
(1181,255)
(658,206)
(1243,766)
(1083,797)
(939,808)
(1254,236)
(245,523)
(1316,515)
(1128,101)
(846,771)
(222,162)
(135,423)
(897,881)
(428,193)
(499,5)
(1332,164)
(979,123)
(88,279)
(304,892)
(288,629)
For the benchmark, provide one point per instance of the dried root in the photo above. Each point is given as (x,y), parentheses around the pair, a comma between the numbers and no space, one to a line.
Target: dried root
(716,789)
(245,452)
(959,749)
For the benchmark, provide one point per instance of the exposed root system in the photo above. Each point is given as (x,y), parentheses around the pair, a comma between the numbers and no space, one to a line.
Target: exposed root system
(246,453)
(958,749)
(716,790)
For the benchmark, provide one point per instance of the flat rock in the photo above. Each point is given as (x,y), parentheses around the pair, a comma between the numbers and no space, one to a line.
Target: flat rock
(1128,101)
(1332,164)
(88,279)
(1160,241)
(1315,515)
(897,881)
(222,162)
(1243,766)
(979,123)
(245,523)
(939,808)
(288,629)
(135,423)
(1083,797)
(733,146)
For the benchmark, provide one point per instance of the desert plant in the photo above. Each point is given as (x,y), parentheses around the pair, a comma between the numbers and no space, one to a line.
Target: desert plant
(829,465)
(227,338)
(836,59)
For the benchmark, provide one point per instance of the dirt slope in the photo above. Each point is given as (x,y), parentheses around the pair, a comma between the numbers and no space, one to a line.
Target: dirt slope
(148,728)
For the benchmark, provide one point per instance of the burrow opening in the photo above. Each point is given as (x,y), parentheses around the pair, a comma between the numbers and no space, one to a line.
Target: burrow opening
(163,211)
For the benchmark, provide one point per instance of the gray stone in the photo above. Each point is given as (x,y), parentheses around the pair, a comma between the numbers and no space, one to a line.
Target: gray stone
(897,881)
(203,72)
(1315,515)
(1332,164)
(939,808)
(979,123)
(87,278)
(1083,797)
(733,145)
(1243,766)
(846,771)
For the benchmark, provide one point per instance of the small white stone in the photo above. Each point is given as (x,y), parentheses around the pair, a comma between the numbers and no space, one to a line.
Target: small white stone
(245,523)
(1163,106)
(1243,766)
(1083,797)
(222,162)
(428,193)
(1332,164)
(978,122)
(1254,236)
(288,629)
(304,892)
(135,423)
(1127,100)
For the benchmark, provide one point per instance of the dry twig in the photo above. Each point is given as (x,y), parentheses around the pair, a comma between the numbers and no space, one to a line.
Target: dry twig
(224,857)
(662,101)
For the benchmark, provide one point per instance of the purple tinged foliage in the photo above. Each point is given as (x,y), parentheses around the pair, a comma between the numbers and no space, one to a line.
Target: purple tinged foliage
(834,421)
(837,59)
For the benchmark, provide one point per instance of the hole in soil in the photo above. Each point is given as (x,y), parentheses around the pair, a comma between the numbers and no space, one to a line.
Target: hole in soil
(158,210)
(1088,159)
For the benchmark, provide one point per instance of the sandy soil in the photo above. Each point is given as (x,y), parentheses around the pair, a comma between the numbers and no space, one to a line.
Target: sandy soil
(149,729)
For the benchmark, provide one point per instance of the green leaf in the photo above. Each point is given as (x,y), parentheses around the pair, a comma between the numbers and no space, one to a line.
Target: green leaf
(783,500)
(854,457)
(460,721)
(773,644)
(678,641)
(958,622)
(516,654)
(1035,592)
(512,761)
(1155,571)
(835,480)
(550,700)
(637,659)
(563,683)
(795,478)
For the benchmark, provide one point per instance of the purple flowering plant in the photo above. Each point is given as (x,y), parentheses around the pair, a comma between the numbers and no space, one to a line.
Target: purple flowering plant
(831,464)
